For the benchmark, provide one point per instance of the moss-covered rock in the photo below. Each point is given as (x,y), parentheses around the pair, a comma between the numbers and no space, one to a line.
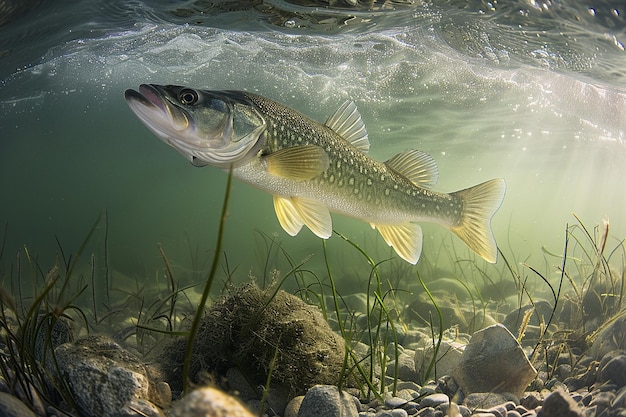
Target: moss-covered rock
(259,331)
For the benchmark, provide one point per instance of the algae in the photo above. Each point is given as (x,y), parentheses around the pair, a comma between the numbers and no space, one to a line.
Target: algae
(261,331)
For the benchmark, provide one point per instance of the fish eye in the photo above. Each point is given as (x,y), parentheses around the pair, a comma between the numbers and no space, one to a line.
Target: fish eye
(188,97)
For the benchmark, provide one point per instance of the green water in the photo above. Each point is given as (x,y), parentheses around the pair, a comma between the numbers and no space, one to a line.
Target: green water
(547,117)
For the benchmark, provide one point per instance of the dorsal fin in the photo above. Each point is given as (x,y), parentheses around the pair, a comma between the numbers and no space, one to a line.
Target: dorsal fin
(346,122)
(418,167)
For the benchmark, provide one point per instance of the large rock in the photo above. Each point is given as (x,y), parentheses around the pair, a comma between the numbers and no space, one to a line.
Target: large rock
(448,358)
(493,361)
(258,332)
(611,338)
(105,379)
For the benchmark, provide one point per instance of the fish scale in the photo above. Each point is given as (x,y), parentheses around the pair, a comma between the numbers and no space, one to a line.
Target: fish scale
(312,169)
(358,175)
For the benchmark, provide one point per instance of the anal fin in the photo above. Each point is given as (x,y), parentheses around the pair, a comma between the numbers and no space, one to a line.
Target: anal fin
(405,239)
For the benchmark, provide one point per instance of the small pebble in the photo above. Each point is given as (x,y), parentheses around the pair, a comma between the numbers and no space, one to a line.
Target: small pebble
(434,400)
(411,407)
(407,394)
(395,402)
(559,404)
(498,411)
(399,412)
(530,400)
(509,405)
(602,401)
(426,412)
(427,390)
(465,412)
(408,385)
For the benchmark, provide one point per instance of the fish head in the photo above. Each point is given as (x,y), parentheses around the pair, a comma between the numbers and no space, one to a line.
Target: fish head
(216,128)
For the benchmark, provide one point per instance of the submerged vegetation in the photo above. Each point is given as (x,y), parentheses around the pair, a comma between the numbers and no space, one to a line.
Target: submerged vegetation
(265,336)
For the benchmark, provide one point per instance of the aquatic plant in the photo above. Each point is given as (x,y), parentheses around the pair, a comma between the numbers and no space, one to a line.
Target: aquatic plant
(596,276)
(30,331)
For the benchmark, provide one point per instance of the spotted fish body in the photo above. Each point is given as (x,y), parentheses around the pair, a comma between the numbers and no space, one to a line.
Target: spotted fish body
(312,169)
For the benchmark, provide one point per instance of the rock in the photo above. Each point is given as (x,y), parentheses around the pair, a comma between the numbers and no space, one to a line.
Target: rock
(559,404)
(53,332)
(498,411)
(327,401)
(138,407)
(465,411)
(446,287)
(493,361)
(395,402)
(485,400)
(10,406)
(620,398)
(541,313)
(427,412)
(26,392)
(104,378)
(408,385)
(209,402)
(531,400)
(602,401)
(293,406)
(452,310)
(614,370)
(434,400)
(612,337)
(448,357)
(257,331)
(406,367)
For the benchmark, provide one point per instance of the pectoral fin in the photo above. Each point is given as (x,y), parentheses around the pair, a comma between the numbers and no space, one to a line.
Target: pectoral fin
(294,212)
(299,163)
(405,239)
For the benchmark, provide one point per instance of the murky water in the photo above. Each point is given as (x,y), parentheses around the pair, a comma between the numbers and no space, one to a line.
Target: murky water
(530,91)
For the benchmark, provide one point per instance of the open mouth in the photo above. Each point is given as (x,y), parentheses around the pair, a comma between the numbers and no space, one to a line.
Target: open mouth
(153,108)
(148,96)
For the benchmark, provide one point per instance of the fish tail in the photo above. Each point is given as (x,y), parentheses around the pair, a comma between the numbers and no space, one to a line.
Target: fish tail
(480,203)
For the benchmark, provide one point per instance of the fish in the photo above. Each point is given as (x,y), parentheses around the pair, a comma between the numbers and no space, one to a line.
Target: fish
(312,169)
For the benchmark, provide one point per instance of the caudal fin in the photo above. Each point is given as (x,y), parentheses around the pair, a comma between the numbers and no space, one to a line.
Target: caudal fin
(480,203)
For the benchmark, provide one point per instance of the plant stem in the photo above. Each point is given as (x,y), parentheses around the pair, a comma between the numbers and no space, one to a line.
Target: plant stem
(207,287)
